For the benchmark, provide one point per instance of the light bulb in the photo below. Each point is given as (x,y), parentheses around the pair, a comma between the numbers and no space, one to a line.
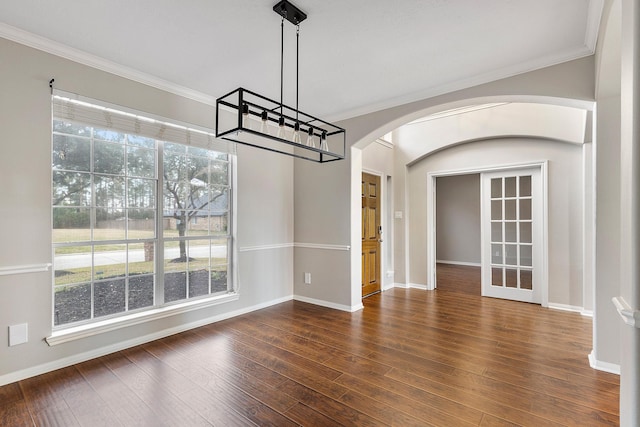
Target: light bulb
(310,141)
(246,119)
(296,133)
(281,128)
(324,145)
(264,125)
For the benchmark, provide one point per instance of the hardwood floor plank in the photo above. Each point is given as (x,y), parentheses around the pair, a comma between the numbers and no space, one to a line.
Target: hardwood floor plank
(15,413)
(127,406)
(443,358)
(304,415)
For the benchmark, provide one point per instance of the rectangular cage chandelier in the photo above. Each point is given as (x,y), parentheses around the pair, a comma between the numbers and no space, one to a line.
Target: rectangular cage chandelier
(251,119)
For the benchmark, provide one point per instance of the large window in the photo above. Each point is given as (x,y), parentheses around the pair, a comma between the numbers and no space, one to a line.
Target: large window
(139,222)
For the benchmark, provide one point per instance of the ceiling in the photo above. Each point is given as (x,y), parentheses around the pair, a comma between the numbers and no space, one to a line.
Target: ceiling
(356,56)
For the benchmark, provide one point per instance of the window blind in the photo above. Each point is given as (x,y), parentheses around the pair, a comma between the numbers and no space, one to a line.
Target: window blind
(76,108)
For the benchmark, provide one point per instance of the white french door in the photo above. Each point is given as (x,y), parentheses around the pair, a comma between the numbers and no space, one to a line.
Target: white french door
(512,234)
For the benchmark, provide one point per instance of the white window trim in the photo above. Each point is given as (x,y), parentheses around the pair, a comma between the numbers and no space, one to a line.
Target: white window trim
(63,334)
(100,327)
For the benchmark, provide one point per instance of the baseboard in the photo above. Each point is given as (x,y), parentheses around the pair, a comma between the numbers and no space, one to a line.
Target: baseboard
(102,351)
(587,313)
(468,264)
(389,286)
(603,366)
(418,286)
(566,307)
(329,304)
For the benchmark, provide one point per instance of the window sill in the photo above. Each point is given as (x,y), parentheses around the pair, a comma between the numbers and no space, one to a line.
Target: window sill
(96,328)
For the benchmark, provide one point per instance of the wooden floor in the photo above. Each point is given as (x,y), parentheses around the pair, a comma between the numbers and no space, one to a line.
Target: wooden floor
(410,358)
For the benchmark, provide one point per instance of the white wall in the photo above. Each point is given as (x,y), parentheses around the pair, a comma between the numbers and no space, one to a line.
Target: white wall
(458,219)
(264,200)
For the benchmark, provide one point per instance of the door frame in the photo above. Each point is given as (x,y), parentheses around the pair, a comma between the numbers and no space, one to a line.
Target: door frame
(386,228)
(431,218)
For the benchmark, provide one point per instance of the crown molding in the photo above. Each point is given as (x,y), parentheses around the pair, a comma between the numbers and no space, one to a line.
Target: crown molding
(76,55)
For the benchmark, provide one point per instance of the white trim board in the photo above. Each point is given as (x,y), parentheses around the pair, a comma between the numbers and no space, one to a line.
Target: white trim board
(92,354)
(464,263)
(611,368)
(23,269)
(329,304)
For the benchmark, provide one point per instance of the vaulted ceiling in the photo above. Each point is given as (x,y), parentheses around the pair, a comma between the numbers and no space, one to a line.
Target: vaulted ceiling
(356,56)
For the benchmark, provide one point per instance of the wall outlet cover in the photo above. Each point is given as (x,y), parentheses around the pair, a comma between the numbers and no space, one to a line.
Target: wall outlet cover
(18,334)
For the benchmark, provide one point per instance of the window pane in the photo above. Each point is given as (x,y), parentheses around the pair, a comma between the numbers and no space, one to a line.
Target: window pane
(175,268)
(71,153)
(108,158)
(72,265)
(109,135)
(141,162)
(109,191)
(141,141)
(110,224)
(71,224)
(496,188)
(510,187)
(199,267)
(525,186)
(198,223)
(71,189)
(109,297)
(141,193)
(175,166)
(70,128)
(140,291)
(141,223)
(109,261)
(219,173)
(71,304)
(219,262)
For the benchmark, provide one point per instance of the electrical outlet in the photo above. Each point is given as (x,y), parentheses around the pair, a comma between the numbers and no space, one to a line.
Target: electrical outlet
(307,278)
(18,334)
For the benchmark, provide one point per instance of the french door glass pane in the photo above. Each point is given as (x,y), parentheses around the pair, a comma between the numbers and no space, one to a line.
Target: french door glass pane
(511,257)
(525,255)
(526,279)
(496,276)
(496,254)
(511,277)
(510,187)
(510,232)
(496,210)
(525,232)
(496,232)
(510,210)
(525,186)
(496,188)
(525,209)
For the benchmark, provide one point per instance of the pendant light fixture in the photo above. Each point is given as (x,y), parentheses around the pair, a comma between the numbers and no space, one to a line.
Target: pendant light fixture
(251,119)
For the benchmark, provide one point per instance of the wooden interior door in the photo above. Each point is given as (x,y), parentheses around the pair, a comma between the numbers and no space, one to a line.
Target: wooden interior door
(371,234)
